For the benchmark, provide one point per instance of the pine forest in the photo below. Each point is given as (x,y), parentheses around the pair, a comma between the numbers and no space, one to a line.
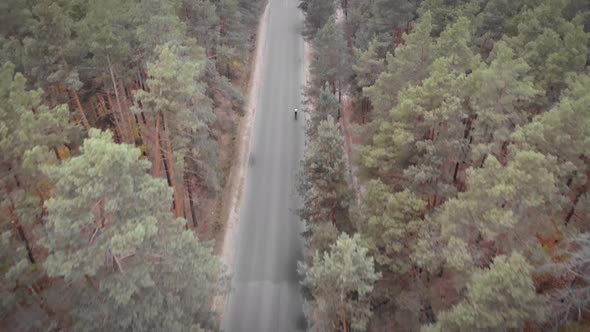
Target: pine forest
(446,174)
(444,180)
(113,115)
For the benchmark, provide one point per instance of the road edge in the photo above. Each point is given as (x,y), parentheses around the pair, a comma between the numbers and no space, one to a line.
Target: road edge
(239,172)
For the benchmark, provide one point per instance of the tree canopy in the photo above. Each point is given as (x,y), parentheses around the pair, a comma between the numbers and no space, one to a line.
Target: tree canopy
(469,129)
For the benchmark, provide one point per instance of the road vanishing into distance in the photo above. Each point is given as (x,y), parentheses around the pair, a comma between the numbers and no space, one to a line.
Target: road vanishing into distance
(265,292)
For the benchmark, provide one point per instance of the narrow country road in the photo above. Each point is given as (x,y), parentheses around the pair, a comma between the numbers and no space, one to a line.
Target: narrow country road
(265,286)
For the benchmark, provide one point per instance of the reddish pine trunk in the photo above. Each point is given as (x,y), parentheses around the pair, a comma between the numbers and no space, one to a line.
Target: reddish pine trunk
(128,135)
(191,203)
(127,112)
(157,152)
(177,197)
(19,230)
(119,123)
(81,111)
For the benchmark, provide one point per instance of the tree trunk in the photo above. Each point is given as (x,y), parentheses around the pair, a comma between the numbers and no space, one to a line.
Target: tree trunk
(344,323)
(23,237)
(81,110)
(57,154)
(483,160)
(126,112)
(120,108)
(339,102)
(170,157)
(157,152)
(572,211)
(119,123)
(16,224)
(455,173)
(191,202)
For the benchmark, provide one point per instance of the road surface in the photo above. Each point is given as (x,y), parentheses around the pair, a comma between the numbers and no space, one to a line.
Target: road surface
(265,292)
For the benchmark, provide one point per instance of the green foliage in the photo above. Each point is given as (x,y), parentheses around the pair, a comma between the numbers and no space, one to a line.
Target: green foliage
(355,25)
(341,281)
(114,252)
(332,61)
(323,235)
(553,132)
(19,302)
(317,14)
(14,17)
(502,201)
(368,64)
(403,69)
(29,131)
(476,147)
(390,218)
(498,94)
(202,21)
(445,12)
(497,18)
(232,33)
(389,15)
(126,263)
(177,92)
(29,134)
(551,45)
(326,106)
(501,298)
(402,141)
(323,186)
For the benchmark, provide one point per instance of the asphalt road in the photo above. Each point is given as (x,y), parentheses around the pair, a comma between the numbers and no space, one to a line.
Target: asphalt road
(265,286)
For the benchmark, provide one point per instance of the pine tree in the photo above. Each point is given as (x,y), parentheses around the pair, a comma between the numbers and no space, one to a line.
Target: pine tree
(50,50)
(389,219)
(369,64)
(563,132)
(332,61)
(496,19)
(341,281)
(500,298)
(389,16)
(158,24)
(126,263)
(323,235)
(501,203)
(202,22)
(551,45)
(22,305)
(31,134)
(498,96)
(317,14)
(445,12)
(323,186)
(179,113)
(424,151)
(409,66)
(357,31)
(326,105)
